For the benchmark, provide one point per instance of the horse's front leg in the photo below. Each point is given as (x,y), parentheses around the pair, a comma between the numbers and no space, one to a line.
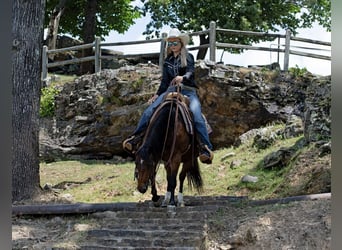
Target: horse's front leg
(180,199)
(171,186)
(155,197)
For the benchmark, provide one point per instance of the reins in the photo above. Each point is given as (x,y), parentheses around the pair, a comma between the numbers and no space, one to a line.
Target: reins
(172,149)
(174,128)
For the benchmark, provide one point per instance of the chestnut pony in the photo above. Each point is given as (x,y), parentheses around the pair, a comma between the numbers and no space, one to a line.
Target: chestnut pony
(168,140)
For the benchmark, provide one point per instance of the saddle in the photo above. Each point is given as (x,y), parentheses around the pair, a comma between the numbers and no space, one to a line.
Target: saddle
(185,99)
(183,102)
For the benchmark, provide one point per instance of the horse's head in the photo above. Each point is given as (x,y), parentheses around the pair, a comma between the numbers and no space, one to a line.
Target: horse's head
(144,170)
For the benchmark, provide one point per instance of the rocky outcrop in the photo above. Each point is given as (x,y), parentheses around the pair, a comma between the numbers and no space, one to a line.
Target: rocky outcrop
(317,111)
(95,113)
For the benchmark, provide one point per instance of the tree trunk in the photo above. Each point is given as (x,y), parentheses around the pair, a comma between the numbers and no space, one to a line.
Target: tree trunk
(203,51)
(54,24)
(27,33)
(89,29)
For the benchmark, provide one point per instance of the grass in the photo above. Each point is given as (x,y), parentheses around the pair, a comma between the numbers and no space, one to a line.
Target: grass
(111,182)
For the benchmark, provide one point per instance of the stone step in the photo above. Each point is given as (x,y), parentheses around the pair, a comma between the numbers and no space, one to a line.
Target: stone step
(100,247)
(150,241)
(194,205)
(147,227)
(156,224)
(138,233)
(202,200)
(179,214)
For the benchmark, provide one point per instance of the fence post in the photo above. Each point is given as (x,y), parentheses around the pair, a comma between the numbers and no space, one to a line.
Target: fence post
(44,63)
(278,50)
(162,50)
(287,50)
(212,41)
(97,54)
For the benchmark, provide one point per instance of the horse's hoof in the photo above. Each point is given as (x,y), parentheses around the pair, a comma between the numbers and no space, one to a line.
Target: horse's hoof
(158,202)
(181,204)
(156,198)
(164,203)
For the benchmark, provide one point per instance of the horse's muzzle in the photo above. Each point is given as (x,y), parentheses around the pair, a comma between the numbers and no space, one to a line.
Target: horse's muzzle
(143,188)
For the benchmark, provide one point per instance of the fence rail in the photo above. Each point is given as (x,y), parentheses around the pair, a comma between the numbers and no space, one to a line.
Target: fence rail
(212,45)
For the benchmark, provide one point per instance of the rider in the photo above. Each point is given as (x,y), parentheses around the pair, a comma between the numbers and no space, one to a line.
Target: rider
(178,69)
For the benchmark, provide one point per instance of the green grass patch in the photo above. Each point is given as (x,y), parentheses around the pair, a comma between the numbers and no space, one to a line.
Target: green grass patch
(112,182)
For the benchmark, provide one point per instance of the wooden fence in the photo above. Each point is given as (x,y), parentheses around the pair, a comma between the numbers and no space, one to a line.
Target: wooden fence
(212,45)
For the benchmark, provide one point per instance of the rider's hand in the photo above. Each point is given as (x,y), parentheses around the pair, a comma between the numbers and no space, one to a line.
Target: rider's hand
(177,80)
(152,99)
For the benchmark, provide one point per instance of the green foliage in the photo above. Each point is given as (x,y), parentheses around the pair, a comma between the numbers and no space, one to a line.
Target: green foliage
(47,101)
(136,85)
(103,100)
(110,15)
(260,16)
(297,72)
(47,98)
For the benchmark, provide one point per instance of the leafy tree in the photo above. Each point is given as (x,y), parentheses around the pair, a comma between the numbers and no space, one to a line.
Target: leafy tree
(85,19)
(252,15)
(109,15)
(27,33)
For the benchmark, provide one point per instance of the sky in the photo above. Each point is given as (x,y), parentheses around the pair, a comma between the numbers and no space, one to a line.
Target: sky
(249,57)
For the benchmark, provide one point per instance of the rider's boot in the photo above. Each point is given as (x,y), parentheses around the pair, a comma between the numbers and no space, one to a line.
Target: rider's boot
(205,154)
(131,143)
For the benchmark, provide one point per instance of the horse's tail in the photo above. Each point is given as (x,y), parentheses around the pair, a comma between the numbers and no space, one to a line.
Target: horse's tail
(194,176)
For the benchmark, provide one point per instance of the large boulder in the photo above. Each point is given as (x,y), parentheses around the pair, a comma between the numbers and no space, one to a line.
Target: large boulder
(96,112)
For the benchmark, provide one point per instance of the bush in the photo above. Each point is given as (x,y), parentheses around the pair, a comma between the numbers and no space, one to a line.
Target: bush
(297,72)
(47,101)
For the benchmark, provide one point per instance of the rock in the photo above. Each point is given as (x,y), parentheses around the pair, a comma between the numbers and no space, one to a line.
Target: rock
(278,159)
(264,138)
(234,164)
(325,149)
(96,112)
(249,178)
(228,155)
(317,116)
(294,127)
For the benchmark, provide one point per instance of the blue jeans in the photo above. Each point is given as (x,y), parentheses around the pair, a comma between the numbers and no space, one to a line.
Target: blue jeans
(195,107)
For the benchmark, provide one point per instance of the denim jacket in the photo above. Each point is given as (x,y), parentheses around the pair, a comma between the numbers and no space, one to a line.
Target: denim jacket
(172,68)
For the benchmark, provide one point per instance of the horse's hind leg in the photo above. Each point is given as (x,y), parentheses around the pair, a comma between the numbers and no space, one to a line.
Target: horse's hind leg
(171,185)
(166,200)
